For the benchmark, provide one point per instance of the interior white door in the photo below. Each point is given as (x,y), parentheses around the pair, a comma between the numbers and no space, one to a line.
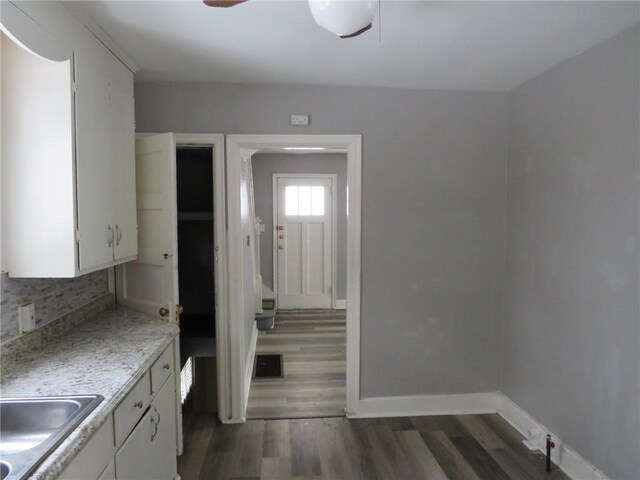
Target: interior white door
(150,283)
(304,247)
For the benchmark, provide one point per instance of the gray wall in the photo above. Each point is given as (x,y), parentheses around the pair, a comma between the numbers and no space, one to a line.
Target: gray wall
(264,166)
(433,214)
(572,351)
(52,297)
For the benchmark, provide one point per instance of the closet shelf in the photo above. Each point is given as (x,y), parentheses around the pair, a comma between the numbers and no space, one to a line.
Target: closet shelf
(195,216)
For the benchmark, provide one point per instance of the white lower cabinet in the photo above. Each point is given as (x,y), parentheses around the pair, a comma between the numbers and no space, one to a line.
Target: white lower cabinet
(94,457)
(109,473)
(138,439)
(145,454)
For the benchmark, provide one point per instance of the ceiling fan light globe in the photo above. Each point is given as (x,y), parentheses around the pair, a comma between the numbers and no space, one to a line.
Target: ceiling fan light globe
(343,17)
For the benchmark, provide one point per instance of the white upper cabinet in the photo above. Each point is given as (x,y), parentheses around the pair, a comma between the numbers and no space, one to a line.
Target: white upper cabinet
(123,150)
(68,155)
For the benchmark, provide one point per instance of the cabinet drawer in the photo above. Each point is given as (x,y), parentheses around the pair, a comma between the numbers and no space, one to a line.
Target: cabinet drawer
(150,450)
(131,408)
(161,370)
(94,456)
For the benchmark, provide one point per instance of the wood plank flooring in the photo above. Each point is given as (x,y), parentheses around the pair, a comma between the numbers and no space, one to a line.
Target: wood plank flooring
(465,447)
(313,345)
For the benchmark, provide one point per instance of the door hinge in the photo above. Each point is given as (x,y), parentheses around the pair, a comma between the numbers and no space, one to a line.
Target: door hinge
(77,235)
(74,87)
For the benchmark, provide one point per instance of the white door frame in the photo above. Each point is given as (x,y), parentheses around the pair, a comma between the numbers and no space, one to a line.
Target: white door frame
(334,224)
(216,142)
(239,146)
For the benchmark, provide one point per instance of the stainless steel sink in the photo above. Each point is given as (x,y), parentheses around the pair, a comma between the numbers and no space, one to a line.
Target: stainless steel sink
(31,428)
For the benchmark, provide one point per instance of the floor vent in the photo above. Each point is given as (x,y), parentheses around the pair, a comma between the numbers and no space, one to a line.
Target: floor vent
(268,366)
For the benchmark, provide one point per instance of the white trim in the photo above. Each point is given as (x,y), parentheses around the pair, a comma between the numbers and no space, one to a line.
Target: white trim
(334,227)
(341,304)
(236,146)
(223,361)
(249,368)
(565,457)
(571,463)
(416,405)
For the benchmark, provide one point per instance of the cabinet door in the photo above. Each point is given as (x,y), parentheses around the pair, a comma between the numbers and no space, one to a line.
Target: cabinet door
(109,473)
(150,450)
(164,449)
(123,157)
(93,157)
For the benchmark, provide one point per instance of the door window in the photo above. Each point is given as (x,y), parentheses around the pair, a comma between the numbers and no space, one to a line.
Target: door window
(304,200)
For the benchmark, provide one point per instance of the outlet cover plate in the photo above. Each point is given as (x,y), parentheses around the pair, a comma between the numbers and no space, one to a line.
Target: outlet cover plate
(301,120)
(27,317)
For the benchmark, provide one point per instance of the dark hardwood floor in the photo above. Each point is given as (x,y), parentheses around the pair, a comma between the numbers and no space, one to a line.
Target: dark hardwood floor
(469,447)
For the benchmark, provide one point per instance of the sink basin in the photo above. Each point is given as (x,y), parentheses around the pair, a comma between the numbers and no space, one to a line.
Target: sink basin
(31,428)
(5,469)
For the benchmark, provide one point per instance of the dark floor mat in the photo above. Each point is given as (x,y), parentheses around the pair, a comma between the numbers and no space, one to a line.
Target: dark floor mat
(268,366)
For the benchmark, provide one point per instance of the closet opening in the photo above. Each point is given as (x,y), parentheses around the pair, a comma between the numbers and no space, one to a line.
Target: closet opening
(196,277)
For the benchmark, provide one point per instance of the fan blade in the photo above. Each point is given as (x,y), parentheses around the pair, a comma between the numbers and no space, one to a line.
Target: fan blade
(223,3)
(359,32)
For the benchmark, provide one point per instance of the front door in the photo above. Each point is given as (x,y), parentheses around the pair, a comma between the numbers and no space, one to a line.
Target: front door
(304,240)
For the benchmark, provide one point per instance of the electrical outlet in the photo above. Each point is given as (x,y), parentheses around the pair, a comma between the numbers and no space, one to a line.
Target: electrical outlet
(300,120)
(27,317)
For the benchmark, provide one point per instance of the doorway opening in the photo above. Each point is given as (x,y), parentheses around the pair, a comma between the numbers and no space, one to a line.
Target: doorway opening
(196,278)
(300,204)
(245,293)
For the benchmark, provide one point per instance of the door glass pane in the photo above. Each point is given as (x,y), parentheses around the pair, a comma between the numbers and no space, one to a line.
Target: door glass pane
(317,201)
(291,200)
(304,199)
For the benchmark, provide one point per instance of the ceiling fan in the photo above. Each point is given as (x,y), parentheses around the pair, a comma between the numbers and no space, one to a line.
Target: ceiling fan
(345,18)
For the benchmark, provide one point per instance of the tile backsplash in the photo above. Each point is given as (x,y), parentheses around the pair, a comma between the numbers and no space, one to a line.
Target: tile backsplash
(53,298)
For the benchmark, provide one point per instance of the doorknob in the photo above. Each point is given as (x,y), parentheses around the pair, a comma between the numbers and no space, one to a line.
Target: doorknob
(164,312)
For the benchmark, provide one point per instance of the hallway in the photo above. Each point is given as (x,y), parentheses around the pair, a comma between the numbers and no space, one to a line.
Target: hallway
(313,344)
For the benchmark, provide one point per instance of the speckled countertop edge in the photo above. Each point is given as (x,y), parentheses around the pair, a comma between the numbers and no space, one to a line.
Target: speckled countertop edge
(73,364)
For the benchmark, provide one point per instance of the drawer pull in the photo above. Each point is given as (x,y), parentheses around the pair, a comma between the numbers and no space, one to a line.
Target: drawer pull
(166,366)
(138,404)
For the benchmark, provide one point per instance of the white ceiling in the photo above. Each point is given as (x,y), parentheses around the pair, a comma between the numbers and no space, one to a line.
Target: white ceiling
(489,46)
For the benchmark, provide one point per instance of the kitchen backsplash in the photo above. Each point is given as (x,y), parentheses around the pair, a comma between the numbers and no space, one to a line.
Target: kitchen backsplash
(53,298)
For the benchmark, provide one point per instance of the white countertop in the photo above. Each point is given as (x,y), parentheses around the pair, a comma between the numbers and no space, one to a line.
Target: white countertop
(106,355)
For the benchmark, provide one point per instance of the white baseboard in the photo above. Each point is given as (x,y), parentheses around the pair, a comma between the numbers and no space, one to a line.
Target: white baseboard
(341,304)
(564,456)
(574,465)
(456,404)
(249,371)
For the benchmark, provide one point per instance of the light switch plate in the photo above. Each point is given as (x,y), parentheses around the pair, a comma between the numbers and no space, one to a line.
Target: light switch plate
(27,317)
(300,120)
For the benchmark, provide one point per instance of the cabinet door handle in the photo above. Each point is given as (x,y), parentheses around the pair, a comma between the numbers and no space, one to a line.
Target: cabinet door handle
(138,404)
(118,235)
(166,366)
(155,429)
(109,236)
(155,424)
